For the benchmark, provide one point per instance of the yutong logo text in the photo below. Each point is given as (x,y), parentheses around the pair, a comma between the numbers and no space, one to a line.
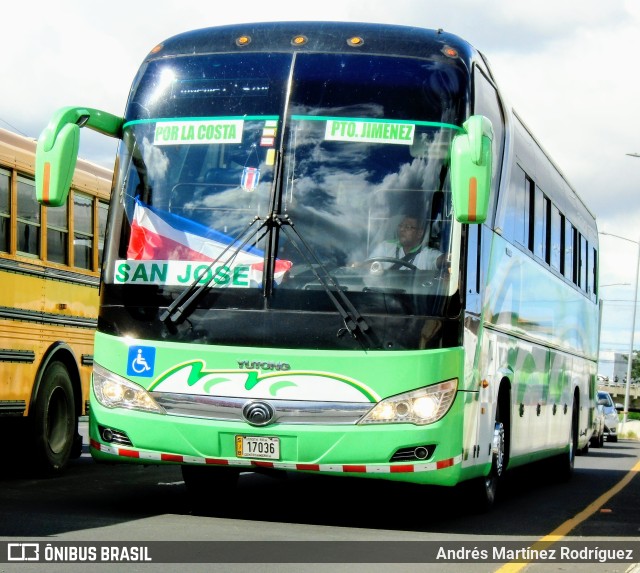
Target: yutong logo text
(253,365)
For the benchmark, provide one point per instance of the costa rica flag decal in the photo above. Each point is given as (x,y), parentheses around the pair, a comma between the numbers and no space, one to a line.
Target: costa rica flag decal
(250,178)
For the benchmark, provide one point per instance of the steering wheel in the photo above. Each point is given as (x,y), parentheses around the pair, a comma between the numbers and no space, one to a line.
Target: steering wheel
(393,260)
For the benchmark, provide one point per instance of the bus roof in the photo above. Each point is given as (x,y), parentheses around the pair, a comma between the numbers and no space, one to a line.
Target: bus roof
(318,36)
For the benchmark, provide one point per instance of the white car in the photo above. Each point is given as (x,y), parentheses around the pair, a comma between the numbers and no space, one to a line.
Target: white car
(611,418)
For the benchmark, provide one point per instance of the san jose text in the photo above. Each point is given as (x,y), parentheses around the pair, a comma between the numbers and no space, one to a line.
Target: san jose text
(181,273)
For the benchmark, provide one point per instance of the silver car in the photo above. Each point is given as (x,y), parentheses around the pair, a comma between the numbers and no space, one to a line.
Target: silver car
(610,416)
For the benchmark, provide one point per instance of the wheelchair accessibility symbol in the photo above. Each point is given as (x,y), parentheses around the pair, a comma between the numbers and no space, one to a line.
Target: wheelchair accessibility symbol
(141,361)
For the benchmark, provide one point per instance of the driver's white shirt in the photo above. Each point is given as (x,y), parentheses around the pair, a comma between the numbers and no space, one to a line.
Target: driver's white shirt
(426,259)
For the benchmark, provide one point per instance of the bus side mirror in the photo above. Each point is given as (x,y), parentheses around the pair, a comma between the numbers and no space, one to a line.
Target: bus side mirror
(471,164)
(55,164)
(57,149)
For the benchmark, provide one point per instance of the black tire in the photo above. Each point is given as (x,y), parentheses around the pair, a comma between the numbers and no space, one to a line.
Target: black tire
(599,442)
(54,421)
(76,450)
(208,487)
(585,450)
(564,463)
(483,491)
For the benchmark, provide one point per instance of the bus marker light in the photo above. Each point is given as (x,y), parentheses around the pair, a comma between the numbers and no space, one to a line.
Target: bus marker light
(450,52)
(299,40)
(355,41)
(243,41)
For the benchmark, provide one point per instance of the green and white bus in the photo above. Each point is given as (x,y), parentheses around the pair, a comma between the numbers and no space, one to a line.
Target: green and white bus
(260,306)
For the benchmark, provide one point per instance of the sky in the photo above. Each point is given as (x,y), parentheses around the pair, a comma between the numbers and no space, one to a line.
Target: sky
(568,67)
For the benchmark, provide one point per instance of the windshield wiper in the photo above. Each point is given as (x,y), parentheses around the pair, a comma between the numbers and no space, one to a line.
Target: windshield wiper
(353,321)
(188,297)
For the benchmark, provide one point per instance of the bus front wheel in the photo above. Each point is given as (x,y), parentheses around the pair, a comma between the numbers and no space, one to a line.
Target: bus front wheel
(483,490)
(54,420)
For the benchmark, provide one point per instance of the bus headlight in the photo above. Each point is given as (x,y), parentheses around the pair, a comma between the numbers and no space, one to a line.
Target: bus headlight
(113,391)
(420,407)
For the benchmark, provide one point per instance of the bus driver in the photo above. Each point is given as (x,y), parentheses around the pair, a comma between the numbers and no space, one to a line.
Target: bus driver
(408,248)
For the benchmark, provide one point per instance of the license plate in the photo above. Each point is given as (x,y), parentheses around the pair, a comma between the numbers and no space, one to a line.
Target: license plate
(262,447)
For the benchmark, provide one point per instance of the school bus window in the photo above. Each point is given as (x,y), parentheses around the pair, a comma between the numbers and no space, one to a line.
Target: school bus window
(82,231)
(28,221)
(4,210)
(58,234)
(103,211)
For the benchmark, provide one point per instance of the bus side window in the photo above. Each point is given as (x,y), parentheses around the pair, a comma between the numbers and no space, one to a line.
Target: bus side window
(83,231)
(5,219)
(58,234)
(28,220)
(516,217)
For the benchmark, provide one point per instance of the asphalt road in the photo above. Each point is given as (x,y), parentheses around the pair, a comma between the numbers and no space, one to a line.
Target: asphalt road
(92,503)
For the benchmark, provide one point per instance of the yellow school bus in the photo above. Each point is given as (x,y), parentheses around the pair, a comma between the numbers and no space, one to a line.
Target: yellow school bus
(49,274)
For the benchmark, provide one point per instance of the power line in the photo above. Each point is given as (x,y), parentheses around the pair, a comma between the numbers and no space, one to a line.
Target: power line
(13,127)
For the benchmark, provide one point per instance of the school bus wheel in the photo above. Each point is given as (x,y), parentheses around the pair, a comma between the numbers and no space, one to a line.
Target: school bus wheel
(53,419)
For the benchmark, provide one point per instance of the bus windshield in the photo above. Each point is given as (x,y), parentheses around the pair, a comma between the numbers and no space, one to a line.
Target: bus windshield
(316,171)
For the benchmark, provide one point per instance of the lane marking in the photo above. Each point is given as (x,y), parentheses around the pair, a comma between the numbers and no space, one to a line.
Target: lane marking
(562,530)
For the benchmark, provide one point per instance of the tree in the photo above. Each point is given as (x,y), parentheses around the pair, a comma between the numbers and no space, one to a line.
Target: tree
(635,365)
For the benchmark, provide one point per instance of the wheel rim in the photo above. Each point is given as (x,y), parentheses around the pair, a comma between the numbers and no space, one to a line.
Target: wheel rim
(573,441)
(498,448)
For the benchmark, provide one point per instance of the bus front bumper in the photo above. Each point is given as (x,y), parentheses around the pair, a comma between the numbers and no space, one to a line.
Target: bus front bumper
(372,450)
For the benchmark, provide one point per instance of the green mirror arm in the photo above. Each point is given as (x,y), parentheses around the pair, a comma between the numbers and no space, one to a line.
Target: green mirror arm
(95,119)
(477,126)
(57,149)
